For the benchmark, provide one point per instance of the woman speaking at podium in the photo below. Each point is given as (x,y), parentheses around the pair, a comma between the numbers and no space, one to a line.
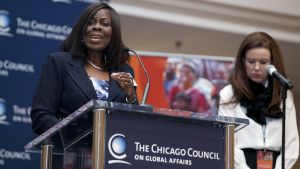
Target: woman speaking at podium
(254,95)
(92,64)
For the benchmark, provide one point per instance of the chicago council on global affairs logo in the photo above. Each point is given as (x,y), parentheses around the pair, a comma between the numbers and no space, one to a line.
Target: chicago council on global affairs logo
(117,148)
(3,112)
(5,23)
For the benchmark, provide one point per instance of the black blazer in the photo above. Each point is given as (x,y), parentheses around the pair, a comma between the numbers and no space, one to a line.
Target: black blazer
(63,87)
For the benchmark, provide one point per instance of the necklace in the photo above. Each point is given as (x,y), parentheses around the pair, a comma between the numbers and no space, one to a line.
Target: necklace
(94,66)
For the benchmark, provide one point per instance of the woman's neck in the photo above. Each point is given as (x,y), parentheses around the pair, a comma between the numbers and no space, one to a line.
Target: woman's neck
(185,86)
(96,58)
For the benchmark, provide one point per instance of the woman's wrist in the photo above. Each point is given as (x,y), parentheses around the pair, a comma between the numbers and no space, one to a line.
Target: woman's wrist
(131,99)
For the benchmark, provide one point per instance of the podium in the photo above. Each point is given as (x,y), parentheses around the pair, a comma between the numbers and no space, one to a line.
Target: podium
(110,135)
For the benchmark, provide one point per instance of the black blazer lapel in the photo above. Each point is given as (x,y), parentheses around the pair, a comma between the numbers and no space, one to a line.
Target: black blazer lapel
(75,68)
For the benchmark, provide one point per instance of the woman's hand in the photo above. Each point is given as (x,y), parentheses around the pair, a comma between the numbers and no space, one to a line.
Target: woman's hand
(126,82)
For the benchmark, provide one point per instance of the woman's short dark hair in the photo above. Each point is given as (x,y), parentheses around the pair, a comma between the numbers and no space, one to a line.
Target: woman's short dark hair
(115,52)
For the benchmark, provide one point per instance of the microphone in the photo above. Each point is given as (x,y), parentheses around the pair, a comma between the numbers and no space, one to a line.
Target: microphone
(146,90)
(274,73)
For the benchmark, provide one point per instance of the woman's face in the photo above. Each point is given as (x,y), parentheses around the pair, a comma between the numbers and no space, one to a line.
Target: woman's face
(256,61)
(98,33)
(187,75)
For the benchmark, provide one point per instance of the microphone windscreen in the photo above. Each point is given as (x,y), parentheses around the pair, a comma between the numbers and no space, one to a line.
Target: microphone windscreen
(271,69)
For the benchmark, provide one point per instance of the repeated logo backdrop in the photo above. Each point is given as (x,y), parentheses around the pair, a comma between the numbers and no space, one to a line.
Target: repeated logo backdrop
(29,31)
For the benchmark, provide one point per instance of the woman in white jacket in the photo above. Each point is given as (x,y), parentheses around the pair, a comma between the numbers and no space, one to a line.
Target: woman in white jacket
(254,95)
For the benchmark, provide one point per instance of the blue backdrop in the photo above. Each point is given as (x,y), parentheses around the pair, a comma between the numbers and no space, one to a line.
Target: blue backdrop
(29,31)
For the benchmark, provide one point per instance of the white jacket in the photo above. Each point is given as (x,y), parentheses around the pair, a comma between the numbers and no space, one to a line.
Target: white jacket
(252,135)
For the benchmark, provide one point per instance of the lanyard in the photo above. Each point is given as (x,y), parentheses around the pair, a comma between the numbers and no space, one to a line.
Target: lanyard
(264,135)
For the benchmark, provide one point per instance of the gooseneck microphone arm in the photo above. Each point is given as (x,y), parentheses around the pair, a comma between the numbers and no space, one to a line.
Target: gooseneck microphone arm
(146,90)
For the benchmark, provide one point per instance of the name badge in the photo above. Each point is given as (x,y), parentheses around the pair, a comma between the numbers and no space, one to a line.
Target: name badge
(264,159)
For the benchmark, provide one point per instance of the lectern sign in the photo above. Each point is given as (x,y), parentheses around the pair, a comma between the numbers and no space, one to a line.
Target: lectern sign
(135,137)
(160,144)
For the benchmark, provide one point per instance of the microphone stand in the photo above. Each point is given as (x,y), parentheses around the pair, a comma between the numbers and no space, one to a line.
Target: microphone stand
(285,85)
(284,88)
(284,96)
